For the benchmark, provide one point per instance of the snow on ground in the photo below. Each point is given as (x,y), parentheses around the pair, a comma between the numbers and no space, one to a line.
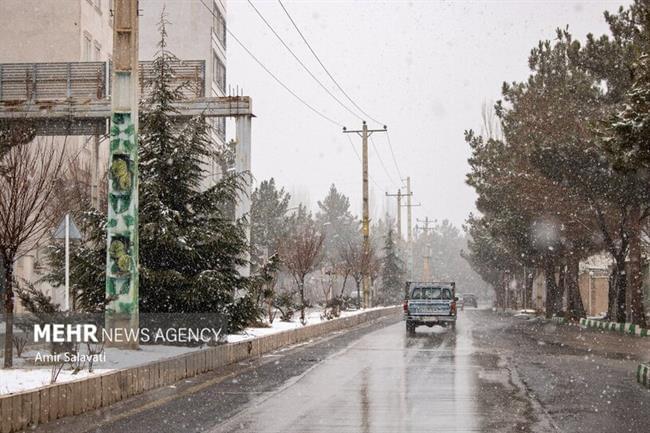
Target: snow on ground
(28,377)
(313,317)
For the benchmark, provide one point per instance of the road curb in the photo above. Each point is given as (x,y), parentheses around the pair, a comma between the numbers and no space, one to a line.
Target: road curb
(643,374)
(625,328)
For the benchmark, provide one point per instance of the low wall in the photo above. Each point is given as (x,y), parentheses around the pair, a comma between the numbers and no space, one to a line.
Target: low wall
(627,328)
(30,408)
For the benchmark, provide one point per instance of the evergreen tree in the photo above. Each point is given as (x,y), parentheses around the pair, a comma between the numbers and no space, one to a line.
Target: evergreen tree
(269,220)
(392,273)
(336,222)
(190,248)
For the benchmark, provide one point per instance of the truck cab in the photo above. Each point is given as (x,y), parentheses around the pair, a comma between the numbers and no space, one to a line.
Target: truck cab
(430,303)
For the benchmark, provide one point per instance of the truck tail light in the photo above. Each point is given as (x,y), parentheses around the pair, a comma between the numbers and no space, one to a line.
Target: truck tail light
(406,307)
(452,310)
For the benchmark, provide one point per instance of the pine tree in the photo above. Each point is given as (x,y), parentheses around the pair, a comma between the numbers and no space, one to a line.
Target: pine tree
(269,221)
(190,248)
(336,222)
(392,272)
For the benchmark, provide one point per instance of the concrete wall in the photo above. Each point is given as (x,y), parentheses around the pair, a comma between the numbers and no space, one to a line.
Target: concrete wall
(593,290)
(40,31)
(30,408)
(53,30)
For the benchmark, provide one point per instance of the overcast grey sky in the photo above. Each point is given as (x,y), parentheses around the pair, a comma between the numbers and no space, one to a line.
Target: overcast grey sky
(423,68)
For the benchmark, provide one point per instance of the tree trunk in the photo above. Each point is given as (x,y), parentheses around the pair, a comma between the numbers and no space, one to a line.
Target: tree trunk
(620,290)
(302,301)
(637,312)
(9,313)
(575,306)
(499,292)
(528,289)
(611,294)
(358,283)
(561,288)
(551,288)
(345,280)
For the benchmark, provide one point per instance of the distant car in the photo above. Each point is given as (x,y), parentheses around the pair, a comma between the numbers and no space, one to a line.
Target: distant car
(470,300)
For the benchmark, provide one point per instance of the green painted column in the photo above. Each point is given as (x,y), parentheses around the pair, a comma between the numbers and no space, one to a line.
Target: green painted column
(122,251)
(122,262)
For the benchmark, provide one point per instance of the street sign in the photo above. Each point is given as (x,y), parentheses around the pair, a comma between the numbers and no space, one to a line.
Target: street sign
(75,234)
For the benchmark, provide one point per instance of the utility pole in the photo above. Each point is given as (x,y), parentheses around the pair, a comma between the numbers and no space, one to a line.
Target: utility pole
(426,257)
(122,261)
(409,233)
(399,196)
(409,214)
(426,222)
(364,133)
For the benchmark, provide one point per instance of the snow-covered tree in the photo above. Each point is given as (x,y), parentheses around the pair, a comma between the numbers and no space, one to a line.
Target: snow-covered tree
(190,245)
(269,221)
(392,273)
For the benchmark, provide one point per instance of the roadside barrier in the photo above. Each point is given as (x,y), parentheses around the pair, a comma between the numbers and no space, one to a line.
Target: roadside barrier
(626,328)
(41,405)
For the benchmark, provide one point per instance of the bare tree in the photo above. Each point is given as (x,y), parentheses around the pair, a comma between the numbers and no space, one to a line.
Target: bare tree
(356,263)
(301,251)
(27,211)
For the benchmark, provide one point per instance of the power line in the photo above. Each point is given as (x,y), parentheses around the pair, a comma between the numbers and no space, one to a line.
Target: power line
(381,161)
(323,66)
(301,63)
(305,103)
(268,24)
(390,145)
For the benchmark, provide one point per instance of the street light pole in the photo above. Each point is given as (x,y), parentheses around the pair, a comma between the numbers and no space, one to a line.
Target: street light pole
(67,262)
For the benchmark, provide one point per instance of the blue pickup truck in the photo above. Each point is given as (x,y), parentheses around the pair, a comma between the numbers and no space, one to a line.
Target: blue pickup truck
(430,303)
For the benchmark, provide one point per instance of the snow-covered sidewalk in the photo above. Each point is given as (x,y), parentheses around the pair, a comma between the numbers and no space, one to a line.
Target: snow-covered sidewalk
(25,378)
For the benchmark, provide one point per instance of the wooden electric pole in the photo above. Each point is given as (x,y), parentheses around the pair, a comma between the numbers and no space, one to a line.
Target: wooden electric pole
(426,255)
(364,133)
(399,196)
(409,227)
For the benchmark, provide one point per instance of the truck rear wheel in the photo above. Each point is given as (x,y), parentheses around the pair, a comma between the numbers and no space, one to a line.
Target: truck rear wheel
(410,328)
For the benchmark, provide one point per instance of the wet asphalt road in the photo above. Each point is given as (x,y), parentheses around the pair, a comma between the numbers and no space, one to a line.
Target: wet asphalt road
(494,374)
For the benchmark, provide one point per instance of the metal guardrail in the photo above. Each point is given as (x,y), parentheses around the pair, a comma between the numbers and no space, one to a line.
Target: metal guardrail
(87,80)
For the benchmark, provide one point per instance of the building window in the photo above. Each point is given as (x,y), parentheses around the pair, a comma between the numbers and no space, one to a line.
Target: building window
(87,47)
(218,72)
(220,127)
(219,25)
(98,51)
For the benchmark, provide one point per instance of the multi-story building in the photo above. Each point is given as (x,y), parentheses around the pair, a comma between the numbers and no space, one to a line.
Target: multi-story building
(193,33)
(35,31)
